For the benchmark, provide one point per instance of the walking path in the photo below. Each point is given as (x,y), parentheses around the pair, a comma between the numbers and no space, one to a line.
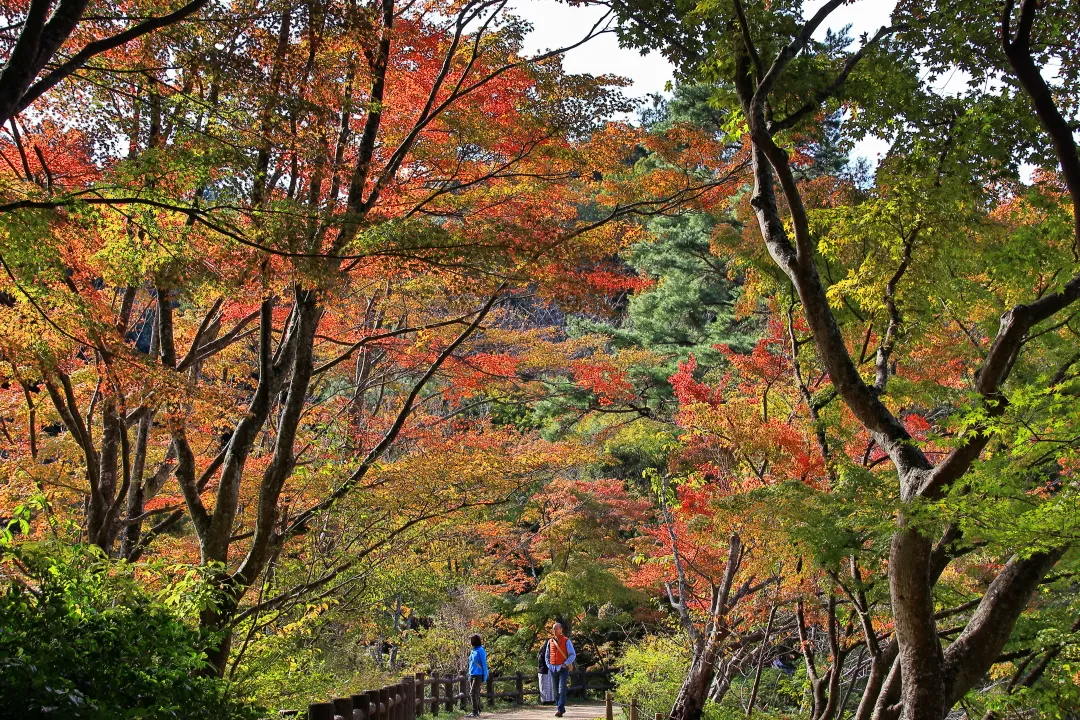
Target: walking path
(577,711)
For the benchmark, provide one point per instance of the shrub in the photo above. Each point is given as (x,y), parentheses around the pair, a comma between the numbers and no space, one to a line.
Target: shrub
(79,638)
(652,670)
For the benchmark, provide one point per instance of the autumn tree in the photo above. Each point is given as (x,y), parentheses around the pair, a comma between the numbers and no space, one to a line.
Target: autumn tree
(773,78)
(251,289)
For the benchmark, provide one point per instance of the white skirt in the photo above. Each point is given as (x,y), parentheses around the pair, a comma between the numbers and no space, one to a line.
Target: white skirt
(547,688)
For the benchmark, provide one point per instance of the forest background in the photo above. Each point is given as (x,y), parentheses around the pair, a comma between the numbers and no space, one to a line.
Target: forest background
(334,332)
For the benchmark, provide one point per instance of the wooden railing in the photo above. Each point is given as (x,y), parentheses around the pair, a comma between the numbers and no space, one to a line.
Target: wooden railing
(421,694)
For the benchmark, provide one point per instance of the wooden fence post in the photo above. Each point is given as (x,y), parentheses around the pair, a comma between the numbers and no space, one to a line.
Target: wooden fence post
(633,709)
(361,705)
(659,716)
(409,684)
(373,705)
(406,699)
(421,693)
(343,707)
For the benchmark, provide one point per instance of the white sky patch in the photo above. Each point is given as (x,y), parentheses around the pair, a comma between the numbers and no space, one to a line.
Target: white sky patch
(866,16)
(556,24)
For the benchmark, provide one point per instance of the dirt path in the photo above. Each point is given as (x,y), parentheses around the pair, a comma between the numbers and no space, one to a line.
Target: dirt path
(574,711)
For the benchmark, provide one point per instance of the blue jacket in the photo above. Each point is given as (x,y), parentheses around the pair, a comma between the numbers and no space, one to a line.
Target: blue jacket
(571,656)
(478,662)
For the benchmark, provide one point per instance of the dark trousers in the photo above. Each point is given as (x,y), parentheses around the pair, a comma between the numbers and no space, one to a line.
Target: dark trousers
(560,680)
(476,683)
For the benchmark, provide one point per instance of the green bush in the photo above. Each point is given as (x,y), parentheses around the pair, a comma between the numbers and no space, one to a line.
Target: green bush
(311,655)
(652,670)
(79,638)
(780,695)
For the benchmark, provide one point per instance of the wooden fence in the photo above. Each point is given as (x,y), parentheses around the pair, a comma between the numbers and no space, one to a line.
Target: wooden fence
(420,694)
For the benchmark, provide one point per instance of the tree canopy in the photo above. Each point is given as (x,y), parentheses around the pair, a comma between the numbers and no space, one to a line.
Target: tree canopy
(336,332)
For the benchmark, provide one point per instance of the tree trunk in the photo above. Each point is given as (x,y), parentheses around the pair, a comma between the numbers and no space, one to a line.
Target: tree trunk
(690,704)
(694,693)
(875,681)
(921,659)
(214,626)
(722,681)
(99,519)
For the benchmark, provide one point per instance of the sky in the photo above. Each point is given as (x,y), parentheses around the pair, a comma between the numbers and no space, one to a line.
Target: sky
(556,24)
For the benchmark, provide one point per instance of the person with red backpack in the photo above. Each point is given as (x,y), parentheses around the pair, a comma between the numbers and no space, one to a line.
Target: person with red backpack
(560,660)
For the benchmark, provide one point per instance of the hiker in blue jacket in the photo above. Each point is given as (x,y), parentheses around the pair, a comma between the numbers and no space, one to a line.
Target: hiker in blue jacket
(478,673)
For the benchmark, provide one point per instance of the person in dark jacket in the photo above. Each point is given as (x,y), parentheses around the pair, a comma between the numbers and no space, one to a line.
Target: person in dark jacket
(543,675)
(478,673)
